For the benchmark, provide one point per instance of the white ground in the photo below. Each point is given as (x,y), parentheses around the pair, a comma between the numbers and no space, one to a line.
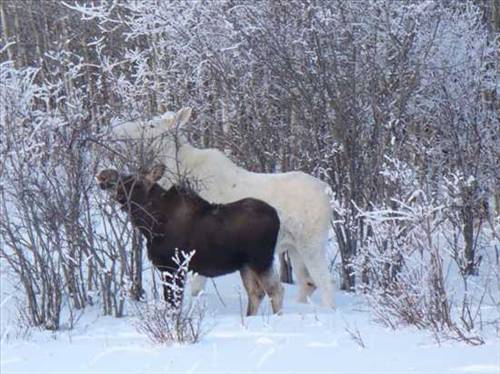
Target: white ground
(306,339)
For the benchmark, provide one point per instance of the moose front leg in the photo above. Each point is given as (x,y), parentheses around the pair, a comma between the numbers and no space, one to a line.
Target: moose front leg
(167,292)
(173,287)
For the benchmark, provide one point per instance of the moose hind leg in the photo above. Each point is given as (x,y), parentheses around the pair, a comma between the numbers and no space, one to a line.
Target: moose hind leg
(316,264)
(254,290)
(270,281)
(168,295)
(304,279)
(173,288)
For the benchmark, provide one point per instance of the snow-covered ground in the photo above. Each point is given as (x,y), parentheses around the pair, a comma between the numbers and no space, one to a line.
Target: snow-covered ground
(305,339)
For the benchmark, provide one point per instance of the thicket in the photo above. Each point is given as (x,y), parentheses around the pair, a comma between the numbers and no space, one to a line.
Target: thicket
(393,103)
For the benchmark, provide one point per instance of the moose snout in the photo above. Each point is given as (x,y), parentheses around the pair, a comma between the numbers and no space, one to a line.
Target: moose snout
(106,179)
(101,182)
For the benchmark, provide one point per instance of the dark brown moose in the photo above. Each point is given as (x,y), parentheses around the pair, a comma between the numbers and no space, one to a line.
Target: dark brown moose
(225,237)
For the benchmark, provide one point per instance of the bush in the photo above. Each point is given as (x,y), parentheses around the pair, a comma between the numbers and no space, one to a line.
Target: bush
(173,322)
(410,276)
(163,324)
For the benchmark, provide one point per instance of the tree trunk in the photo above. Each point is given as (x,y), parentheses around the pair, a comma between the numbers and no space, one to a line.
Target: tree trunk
(348,278)
(347,249)
(469,203)
(469,267)
(136,290)
(21,52)
(6,30)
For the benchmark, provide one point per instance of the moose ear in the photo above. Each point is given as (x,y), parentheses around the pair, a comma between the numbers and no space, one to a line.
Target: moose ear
(183,116)
(156,172)
(167,119)
(179,119)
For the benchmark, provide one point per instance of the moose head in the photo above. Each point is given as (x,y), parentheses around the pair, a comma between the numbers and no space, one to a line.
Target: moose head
(130,188)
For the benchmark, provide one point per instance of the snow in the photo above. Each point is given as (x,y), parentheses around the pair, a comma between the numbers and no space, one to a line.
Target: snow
(305,339)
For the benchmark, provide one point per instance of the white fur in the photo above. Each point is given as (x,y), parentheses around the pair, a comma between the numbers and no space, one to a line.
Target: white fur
(301,200)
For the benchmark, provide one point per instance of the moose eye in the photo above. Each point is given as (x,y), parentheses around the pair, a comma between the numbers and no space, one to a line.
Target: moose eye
(120,196)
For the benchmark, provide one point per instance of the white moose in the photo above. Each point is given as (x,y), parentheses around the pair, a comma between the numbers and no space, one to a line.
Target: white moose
(302,201)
